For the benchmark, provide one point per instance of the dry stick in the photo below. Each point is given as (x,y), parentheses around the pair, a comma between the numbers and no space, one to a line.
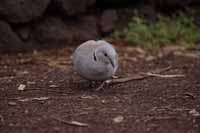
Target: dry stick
(49,90)
(72,123)
(139,76)
(165,76)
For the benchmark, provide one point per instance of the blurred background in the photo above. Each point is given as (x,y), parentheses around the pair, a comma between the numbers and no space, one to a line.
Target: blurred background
(29,25)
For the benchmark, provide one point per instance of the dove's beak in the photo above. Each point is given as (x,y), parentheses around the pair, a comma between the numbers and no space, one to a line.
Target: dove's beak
(112,63)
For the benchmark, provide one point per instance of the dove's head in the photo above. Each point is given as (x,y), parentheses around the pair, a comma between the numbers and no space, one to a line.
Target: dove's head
(106,54)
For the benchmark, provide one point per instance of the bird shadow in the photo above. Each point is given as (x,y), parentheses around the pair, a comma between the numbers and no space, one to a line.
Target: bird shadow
(86,85)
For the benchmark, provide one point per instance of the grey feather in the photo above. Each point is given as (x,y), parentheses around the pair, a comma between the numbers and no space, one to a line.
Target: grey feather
(95,60)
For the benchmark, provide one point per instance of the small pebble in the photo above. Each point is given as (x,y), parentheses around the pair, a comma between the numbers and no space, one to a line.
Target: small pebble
(118,119)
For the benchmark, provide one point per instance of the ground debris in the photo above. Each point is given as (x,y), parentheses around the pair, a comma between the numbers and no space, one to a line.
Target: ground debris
(118,119)
(31,82)
(53,86)
(86,97)
(165,76)
(72,123)
(140,76)
(33,98)
(1,118)
(194,112)
(145,103)
(158,118)
(21,87)
(12,103)
(189,95)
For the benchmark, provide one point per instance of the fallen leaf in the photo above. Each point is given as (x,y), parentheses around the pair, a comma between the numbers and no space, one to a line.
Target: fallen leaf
(21,87)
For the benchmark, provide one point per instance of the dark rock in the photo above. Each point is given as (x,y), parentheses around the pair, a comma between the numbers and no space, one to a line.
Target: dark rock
(171,3)
(176,2)
(91,2)
(23,32)
(9,41)
(52,31)
(148,12)
(55,32)
(72,7)
(17,11)
(108,20)
(85,28)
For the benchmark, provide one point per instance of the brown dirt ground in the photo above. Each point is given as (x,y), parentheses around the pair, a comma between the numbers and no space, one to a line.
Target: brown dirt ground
(54,96)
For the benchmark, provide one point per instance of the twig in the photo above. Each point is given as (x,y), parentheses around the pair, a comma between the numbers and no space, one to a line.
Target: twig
(165,76)
(72,123)
(103,84)
(48,90)
(139,76)
(33,98)
(159,118)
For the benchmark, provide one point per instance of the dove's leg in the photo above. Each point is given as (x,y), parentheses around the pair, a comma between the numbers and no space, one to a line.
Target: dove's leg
(103,84)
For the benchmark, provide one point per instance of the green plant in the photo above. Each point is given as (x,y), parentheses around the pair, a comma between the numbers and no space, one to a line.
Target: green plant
(167,30)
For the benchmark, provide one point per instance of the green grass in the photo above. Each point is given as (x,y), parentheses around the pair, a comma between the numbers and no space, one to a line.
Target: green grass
(179,29)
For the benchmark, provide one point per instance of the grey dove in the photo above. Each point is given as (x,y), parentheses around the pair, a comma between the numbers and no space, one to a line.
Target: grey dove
(95,60)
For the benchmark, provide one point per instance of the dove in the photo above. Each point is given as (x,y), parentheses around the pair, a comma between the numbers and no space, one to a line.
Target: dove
(95,60)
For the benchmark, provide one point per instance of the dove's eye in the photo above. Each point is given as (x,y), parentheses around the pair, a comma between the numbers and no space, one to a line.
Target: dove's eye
(105,54)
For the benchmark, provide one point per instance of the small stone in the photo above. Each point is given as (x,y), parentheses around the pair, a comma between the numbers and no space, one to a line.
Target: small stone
(52,31)
(21,11)
(24,33)
(118,119)
(74,7)
(9,41)
(103,101)
(21,87)
(150,58)
(108,20)
(26,111)
(86,28)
